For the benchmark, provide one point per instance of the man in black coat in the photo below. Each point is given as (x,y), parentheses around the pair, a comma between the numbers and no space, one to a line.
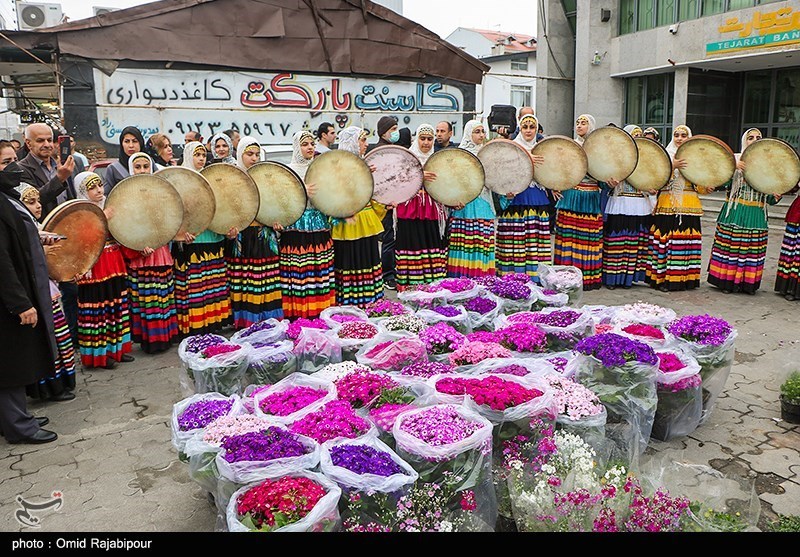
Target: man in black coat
(26,315)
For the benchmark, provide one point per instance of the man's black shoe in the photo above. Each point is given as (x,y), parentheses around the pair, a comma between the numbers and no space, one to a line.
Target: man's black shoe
(41,436)
(64,396)
(42,420)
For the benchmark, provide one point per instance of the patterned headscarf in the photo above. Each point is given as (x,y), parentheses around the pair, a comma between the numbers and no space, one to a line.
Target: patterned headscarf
(86,179)
(466,139)
(27,193)
(652,131)
(348,139)
(247,143)
(592,125)
(136,156)
(632,129)
(230,159)
(521,140)
(422,129)
(189,151)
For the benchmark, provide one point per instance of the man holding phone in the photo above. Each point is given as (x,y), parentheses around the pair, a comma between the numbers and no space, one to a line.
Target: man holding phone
(51,176)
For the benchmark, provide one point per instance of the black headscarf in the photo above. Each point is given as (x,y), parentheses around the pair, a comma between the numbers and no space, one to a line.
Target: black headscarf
(10,179)
(134,131)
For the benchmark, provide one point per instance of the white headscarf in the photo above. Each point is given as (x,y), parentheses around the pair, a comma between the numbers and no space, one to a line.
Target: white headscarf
(188,154)
(738,191)
(348,140)
(140,155)
(528,145)
(422,129)
(672,148)
(466,138)
(82,180)
(245,142)
(299,163)
(630,128)
(678,182)
(592,127)
(230,158)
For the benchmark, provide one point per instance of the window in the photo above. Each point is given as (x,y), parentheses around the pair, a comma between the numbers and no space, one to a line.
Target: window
(520,64)
(772,104)
(646,14)
(520,96)
(757,94)
(787,101)
(648,102)
(666,12)
(627,15)
(739,4)
(711,7)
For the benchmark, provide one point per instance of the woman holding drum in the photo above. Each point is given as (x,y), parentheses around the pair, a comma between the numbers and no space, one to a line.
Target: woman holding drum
(151,285)
(306,259)
(523,225)
(357,261)
(472,227)
(253,261)
(420,251)
(104,322)
(740,242)
(579,221)
(195,156)
(677,239)
(222,148)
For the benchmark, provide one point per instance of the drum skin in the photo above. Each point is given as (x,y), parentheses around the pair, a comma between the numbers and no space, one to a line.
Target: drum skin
(145,211)
(281,192)
(710,163)
(508,166)
(398,174)
(236,197)
(344,183)
(459,177)
(199,204)
(611,153)
(772,166)
(565,164)
(654,167)
(86,228)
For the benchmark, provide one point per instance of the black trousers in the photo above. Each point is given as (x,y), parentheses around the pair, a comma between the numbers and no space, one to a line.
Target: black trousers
(16,422)
(387,248)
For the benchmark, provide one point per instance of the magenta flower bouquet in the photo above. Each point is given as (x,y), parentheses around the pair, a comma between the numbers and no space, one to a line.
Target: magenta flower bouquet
(361,388)
(353,335)
(391,354)
(220,368)
(442,339)
(296,327)
(492,391)
(335,316)
(680,396)
(385,308)
(336,419)
(474,352)
(523,338)
(292,398)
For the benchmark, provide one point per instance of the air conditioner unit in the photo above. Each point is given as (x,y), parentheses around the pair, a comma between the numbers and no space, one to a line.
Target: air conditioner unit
(100,11)
(38,15)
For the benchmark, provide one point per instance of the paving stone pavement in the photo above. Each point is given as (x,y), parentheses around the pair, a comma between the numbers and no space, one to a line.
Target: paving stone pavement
(117,470)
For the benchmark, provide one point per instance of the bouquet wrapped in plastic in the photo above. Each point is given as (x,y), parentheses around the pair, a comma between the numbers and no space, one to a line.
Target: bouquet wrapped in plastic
(482,311)
(266,331)
(270,362)
(514,295)
(578,410)
(564,279)
(190,350)
(192,414)
(645,313)
(389,353)
(455,316)
(316,349)
(293,397)
(440,340)
(353,335)
(336,316)
(220,368)
(680,397)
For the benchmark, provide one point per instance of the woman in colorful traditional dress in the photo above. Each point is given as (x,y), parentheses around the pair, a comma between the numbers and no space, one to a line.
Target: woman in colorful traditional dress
(420,252)
(626,232)
(253,260)
(788,280)
(740,241)
(104,321)
(61,385)
(523,225)
(151,285)
(306,258)
(202,297)
(130,142)
(579,220)
(676,235)
(357,265)
(471,250)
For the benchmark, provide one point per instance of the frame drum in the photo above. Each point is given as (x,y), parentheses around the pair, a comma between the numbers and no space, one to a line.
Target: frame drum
(236,195)
(508,166)
(199,204)
(709,161)
(86,228)
(611,153)
(654,167)
(565,164)
(281,191)
(398,175)
(344,183)
(773,166)
(147,212)
(459,176)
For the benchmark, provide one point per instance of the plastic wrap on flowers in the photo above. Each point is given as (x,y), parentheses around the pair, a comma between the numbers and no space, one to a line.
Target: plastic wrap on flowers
(719,501)
(316,349)
(519,367)
(458,289)
(712,343)
(482,310)
(397,326)
(269,362)
(266,331)
(389,405)
(564,279)
(651,335)
(192,414)
(564,327)
(292,398)
(336,316)
(451,446)
(390,353)
(680,396)
(455,316)
(514,296)
(645,313)
(547,298)
(601,315)
(422,296)
(220,368)
(579,410)
(190,349)
(333,372)
(353,335)
(385,308)
(309,502)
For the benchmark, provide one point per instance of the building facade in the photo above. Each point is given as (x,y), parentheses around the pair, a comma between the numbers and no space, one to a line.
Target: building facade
(719,66)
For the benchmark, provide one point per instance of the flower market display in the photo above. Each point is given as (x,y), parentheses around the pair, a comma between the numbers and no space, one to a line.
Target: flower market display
(489,404)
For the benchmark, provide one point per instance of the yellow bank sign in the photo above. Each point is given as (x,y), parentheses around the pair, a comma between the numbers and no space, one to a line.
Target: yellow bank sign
(764,29)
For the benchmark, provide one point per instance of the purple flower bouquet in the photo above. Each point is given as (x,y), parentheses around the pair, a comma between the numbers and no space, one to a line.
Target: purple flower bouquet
(270,362)
(456,316)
